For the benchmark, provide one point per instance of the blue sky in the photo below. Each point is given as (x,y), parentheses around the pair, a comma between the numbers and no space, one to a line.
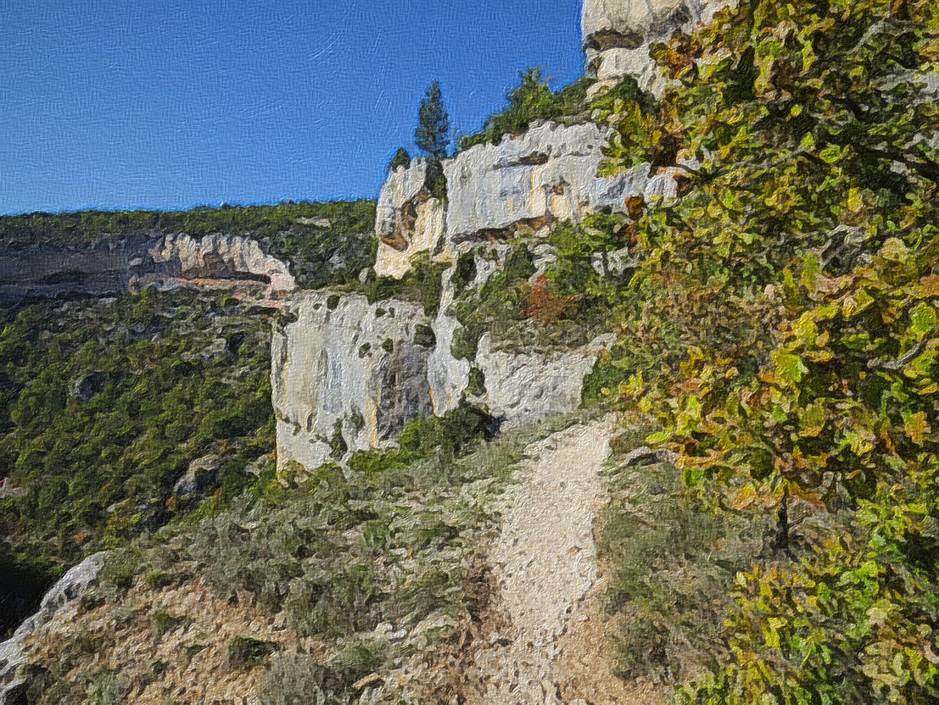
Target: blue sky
(172,103)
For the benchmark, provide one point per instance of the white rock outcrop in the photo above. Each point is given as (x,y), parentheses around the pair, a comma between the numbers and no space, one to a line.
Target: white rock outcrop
(408,219)
(347,375)
(447,376)
(59,603)
(528,387)
(548,174)
(618,34)
(221,257)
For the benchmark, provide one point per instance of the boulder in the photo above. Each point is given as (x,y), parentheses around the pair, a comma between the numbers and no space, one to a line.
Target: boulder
(85,386)
(347,375)
(59,603)
(199,478)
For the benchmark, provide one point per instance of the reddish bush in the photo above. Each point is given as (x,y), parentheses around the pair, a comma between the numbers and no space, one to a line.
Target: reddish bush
(543,304)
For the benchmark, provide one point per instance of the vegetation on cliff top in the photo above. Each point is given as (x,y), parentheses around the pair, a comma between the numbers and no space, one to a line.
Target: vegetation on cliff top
(531,100)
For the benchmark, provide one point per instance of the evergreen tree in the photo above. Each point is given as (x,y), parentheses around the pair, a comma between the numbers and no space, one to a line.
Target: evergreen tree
(433,130)
(400,159)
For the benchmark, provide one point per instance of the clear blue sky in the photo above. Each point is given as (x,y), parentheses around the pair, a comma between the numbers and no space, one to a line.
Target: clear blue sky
(174,103)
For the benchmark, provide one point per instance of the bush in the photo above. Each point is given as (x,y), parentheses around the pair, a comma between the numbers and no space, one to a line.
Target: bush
(782,324)
(531,100)
(422,284)
(671,567)
(247,651)
(334,603)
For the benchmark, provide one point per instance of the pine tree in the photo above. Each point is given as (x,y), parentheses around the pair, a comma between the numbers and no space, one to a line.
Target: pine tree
(433,130)
(400,159)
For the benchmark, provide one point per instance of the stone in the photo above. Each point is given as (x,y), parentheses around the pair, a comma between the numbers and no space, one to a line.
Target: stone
(84,387)
(617,35)
(347,375)
(58,603)
(199,478)
(526,387)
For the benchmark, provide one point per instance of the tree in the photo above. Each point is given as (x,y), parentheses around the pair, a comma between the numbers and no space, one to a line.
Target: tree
(400,159)
(787,309)
(433,130)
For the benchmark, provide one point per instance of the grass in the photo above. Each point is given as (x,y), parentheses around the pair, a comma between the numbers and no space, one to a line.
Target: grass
(672,566)
(390,543)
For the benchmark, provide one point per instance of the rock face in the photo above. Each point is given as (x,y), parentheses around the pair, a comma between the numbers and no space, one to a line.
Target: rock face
(549,174)
(408,219)
(219,257)
(618,33)
(109,268)
(57,271)
(447,377)
(58,603)
(528,387)
(347,375)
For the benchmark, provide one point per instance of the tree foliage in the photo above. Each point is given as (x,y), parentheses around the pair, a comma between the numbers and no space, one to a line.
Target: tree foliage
(401,159)
(433,125)
(783,327)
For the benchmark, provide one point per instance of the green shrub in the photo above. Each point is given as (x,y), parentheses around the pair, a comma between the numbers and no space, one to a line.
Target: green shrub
(531,100)
(783,326)
(247,651)
(448,434)
(335,603)
(299,679)
(421,284)
(671,568)
(163,622)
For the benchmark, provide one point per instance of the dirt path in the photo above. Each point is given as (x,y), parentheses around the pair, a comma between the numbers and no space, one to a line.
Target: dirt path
(545,564)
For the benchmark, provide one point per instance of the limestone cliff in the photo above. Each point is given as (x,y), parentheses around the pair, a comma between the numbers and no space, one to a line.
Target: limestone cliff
(346,375)
(52,271)
(617,35)
(113,267)
(547,175)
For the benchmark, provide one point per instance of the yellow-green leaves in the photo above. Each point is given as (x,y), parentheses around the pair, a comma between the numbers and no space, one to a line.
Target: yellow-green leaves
(789,366)
(922,320)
